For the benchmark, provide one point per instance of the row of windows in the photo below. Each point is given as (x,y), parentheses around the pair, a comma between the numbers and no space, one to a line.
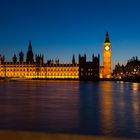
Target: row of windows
(21,70)
(19,74)
(3,66)
(43,69)
(22,74)
(31,74)
(6,65)
(87,74)
(53,74)
(62,69)
(82,69)
(35,69)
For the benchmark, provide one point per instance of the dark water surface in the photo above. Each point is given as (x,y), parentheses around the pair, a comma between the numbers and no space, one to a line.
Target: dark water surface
(98,108)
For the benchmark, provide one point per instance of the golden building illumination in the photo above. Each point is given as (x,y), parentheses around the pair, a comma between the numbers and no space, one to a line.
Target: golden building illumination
(101,71)
(34,66)
(62,71)
(24,70)
(29,71)
(107,52)
(106,103)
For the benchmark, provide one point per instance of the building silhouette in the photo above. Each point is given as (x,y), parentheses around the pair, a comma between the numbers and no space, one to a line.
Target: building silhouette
(107,52)
(21,57)
(131,69)
(30,55)
(34,66)
(88,70)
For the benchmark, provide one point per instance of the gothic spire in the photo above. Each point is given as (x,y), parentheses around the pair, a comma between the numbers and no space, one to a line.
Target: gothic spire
(73,59)
(21,57)
(30,55)
(30,46)
(107,38)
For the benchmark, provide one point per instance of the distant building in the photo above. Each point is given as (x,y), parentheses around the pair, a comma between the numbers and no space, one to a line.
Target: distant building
(88,70)
(34,66)
(131,69)
(105,70)
(62,71)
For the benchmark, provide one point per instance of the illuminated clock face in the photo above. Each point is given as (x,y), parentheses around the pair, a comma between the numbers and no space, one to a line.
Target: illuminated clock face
(106,48)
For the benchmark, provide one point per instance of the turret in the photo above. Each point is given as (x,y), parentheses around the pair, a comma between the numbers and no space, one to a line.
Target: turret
(14,59)
(30,55)
(39,60)
(21,57)
(73,59)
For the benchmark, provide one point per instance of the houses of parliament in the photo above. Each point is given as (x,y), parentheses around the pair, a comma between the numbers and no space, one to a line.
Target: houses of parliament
(34,66)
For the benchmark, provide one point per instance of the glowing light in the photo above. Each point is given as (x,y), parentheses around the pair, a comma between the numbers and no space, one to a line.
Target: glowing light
(107,48)
(107,60)
(135,87)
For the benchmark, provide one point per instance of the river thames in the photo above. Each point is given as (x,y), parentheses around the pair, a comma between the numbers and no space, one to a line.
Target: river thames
(95,108)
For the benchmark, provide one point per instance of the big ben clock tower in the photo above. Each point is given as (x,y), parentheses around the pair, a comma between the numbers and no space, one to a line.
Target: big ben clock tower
(107,51)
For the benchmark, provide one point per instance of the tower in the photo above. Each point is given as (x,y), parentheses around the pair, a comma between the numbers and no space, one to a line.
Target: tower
(30,55)
(21,57)
(73,59)
(107,51)
(14,59)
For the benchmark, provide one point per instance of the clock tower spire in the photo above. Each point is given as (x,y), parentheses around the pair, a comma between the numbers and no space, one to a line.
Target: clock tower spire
(107,52)
(107,38)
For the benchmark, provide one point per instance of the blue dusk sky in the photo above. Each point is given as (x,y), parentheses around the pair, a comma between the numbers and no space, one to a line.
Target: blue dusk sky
(61,28)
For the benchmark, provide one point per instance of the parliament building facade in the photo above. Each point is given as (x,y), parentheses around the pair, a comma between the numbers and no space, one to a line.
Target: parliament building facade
(34,66)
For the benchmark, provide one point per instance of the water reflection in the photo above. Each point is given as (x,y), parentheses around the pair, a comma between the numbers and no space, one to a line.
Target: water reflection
(62,107)
(106,108)
(135,87)
(136,107)
(89,108)
(109,108)
(38,105)
(120,108)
